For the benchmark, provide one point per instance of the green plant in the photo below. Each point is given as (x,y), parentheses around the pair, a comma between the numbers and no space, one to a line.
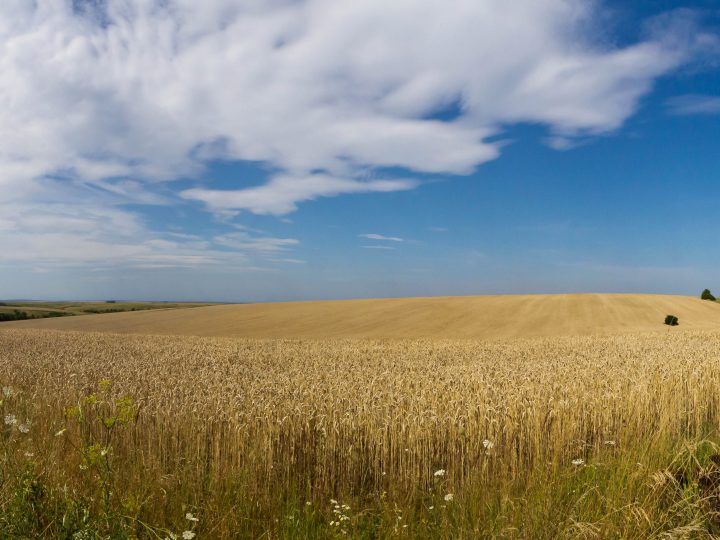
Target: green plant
(707,295)
(37,504)
(671,320)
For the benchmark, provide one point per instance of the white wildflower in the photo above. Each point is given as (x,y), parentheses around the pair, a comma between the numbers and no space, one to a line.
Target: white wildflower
(308,503)
(431,507)
(190,517)
(488,444)
(439,472)
(29,455)
(10,420)
(449,497)
(333,501)
(7,391)
(24,428)
(188,535)
(61,432)
(578,462)
(610,443)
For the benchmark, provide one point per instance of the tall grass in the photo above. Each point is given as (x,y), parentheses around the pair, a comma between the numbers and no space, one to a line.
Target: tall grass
(588,437)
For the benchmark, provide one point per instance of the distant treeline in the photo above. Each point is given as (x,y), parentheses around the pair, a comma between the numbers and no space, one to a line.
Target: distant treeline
(113,310)
(18,315)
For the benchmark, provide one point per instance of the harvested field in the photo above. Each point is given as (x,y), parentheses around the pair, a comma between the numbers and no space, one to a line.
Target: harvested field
(482,317)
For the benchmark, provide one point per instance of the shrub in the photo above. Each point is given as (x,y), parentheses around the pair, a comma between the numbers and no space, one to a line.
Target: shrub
(671,320)
(16,315)
(707,295)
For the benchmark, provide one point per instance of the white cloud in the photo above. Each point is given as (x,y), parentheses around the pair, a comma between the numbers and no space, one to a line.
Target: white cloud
(373,236)
(379,247)
(282,193)
(90,234)
(244,241)
(124,96)
(694,104)
(289,260)
(561,142)
(71,235)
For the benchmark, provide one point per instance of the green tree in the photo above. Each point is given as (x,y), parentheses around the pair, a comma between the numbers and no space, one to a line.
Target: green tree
(707,295)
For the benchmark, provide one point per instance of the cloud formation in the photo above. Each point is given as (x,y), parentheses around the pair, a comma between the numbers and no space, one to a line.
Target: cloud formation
(282,193)
(92,233)
(374,236)
(694,104)
(122,97)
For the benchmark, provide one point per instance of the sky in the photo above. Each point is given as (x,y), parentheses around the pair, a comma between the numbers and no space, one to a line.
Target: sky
(242,151)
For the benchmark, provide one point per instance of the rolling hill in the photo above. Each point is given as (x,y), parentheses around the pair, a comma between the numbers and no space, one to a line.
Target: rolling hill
(480,317)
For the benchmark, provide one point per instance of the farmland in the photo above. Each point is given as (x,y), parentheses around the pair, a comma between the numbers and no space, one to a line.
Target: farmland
(31,309)
(612,435)
(478,317)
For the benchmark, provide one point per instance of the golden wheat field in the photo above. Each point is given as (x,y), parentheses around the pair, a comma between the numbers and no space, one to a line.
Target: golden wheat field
(474,317)
(580,436)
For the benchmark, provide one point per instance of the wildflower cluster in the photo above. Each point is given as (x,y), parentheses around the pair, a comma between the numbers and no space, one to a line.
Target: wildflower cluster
(341,518)
(189,534)
(10,419)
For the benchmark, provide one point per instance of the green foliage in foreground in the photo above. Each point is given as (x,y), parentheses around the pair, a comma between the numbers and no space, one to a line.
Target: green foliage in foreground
(707,295)
(628,489)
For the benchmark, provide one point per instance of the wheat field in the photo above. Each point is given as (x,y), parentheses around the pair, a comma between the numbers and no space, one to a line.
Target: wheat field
(608,436)
(471,317)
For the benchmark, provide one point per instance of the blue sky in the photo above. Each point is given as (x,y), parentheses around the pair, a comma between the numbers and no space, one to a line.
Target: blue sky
(303,150)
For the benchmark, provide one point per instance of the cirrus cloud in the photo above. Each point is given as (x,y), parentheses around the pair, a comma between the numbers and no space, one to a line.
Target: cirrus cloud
(375,236)
(694,104)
